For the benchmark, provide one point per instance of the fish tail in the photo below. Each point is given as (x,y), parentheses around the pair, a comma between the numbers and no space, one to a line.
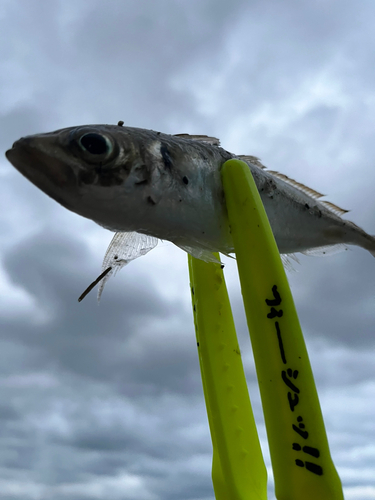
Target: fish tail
(363,239)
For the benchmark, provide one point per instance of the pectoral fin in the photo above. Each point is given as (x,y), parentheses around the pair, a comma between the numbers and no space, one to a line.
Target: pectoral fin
(124,247)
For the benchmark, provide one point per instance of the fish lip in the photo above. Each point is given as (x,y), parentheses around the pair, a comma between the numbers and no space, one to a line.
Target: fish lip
(50,174)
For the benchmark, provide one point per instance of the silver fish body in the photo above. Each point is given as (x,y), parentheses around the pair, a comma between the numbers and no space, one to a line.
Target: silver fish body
(129,179)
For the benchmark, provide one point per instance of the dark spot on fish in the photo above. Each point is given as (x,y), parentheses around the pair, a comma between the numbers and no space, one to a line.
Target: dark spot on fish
(194,308)
(180,201)
(120,123)
(166,156)
(307,206)
(150,200)
(222,266)
(270,188)
(115,257)
(158,133)
(197,344)
(185,180)
(192,290)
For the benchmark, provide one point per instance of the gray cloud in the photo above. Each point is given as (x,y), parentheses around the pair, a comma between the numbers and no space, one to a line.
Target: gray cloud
(128,341)
(106,402)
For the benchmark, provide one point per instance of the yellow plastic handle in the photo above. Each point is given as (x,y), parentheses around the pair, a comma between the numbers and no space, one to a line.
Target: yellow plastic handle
(301,461)
(238,470)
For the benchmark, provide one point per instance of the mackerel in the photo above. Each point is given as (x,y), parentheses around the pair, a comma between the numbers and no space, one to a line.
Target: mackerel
(146,185)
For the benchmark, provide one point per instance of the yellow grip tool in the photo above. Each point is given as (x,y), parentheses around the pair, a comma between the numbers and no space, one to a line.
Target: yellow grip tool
(238,470)
(301,461)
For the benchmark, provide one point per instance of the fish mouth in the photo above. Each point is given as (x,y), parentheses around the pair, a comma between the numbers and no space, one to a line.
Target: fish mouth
(50,174)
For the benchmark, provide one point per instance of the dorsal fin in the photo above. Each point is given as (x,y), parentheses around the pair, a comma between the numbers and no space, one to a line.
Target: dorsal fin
(200,138)
(334,208)
(252,159)
(298,185)
(311,192)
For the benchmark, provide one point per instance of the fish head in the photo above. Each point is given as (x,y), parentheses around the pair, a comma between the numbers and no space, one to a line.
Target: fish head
(83,168)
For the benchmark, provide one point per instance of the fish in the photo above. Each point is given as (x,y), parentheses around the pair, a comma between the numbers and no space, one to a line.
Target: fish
(148,186)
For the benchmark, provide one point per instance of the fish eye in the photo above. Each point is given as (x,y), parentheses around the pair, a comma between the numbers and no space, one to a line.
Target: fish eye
(95,144)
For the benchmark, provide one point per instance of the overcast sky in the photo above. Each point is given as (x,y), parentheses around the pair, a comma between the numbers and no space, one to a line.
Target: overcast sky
(106,402)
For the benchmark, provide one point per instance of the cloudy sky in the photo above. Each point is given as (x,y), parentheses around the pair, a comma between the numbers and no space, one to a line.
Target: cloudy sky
(106,402)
